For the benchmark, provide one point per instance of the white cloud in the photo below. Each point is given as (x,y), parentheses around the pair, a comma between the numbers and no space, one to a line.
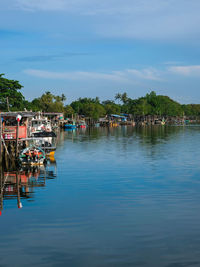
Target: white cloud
(146,74)
(76,75)
(128,75)
(139,19)
(193,70)
(45,5)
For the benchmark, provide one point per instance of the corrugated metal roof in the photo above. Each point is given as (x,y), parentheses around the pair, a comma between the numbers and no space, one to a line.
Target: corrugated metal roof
(26,114)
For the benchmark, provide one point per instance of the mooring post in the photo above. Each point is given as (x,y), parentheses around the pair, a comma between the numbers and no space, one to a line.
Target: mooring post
(19,204)
(1,189)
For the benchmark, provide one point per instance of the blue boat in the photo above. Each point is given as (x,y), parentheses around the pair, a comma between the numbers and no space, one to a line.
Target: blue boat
(70,126)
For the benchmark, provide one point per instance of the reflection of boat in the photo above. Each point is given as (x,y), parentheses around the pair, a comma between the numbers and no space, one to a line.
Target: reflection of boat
(21,184)
(32,155)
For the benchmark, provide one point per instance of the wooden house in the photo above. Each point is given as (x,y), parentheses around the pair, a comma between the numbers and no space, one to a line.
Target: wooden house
(9,124)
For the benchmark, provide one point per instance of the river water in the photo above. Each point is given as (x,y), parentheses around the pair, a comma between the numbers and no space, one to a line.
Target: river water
(113,197)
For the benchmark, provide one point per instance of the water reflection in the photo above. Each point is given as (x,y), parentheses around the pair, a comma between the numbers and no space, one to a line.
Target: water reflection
(123,197)
(150,139)
(149,134)
(21,183)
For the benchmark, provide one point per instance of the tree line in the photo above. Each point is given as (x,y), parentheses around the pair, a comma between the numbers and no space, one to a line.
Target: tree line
(11,99)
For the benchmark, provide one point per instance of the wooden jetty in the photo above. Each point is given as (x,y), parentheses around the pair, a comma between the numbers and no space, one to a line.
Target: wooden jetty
(15,127)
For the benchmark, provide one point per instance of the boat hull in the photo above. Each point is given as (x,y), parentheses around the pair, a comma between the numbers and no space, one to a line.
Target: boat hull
(33,163)
(50,154)
(70,126)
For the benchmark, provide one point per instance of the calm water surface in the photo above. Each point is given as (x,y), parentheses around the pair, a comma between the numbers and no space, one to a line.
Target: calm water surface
(118,197)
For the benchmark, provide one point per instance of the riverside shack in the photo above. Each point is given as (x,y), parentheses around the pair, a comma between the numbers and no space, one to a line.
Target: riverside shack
(9,124)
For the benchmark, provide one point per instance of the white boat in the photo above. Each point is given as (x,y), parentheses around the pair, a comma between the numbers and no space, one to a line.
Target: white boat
(40,124)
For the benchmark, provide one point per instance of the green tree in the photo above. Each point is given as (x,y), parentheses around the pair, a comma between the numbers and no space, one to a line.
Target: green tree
(118,97)
(68,111)
(10,97)
(124,98)
(49,103)
(89,107)
(111,107)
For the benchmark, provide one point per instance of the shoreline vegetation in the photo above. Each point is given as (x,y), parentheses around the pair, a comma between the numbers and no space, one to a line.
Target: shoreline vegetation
(11,99)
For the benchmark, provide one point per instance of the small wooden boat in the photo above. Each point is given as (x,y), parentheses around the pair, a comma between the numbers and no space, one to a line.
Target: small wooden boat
(32,155)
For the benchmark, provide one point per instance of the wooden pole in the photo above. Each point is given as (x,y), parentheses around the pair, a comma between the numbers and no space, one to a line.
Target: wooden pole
(19,204)
(1,190)
(0,139)
(17,138)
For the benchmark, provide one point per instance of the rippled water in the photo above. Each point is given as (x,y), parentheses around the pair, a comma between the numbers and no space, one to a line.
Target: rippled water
(114,197)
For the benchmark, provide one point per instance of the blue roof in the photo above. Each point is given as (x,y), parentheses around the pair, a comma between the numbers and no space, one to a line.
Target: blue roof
(117,116)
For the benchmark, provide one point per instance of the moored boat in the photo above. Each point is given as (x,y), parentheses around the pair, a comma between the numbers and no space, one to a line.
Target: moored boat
(70,125)
(82,125)
(45,143)
(32,155)
(40,124)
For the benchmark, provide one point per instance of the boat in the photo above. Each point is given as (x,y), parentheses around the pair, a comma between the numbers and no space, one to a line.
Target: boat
(45,140)
(45,143)
(40,124)
(43,134)
(70,125)
(160,122)
(48,148)
(32,155)
(82,125)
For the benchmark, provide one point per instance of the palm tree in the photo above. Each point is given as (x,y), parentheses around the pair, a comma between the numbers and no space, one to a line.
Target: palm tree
(124,97)
(118,97)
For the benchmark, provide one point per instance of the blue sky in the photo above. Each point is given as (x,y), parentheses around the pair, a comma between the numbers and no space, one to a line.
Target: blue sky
(88,48)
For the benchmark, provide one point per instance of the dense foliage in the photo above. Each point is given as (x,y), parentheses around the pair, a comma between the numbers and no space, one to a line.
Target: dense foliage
(152,104)
(89,107)
(10,96)
(12,99)
(49,103)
